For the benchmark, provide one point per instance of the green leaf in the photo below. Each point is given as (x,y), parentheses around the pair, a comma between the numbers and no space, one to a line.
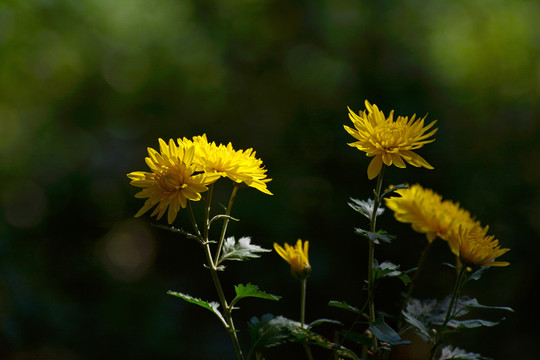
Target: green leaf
(323,321)
(474,323)
(302,335)
(240,250)
(393,188)
(176,230)
(212,305)
(269,331)
(250,290)
(376,237)
(421,328)
(448,353)
(478,273)
(423,315)
(222,216)
(479,306)
(388,269)
(358,338)
(365,207)
(385,333)
(345,306)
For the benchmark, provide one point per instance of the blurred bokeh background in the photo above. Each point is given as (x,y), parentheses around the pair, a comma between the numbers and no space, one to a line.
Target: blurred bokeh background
(87,86)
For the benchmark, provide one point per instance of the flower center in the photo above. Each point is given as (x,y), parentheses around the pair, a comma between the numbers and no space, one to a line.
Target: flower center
(389,134)
(173,179)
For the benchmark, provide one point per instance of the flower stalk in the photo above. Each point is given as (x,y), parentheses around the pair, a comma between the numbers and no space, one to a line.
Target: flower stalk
(303,285)
(419,267)
(451,310)
(371,256)
(211,264)
(226,222)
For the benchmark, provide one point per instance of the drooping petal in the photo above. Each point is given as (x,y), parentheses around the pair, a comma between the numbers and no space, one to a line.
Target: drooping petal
(374,167)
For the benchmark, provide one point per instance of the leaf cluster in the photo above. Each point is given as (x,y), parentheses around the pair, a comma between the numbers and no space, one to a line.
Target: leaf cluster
(424,316)
(269,331)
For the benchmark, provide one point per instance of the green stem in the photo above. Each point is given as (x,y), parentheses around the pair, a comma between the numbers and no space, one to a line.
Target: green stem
(450,312)
(226,222)
(419,267)
(455,295)
(303,285)
(215,278)
(371,256)
(194,223)
(207,212)
(349,330)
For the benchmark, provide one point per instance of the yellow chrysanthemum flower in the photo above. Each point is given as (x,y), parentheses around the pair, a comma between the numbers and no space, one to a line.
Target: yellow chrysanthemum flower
(239,166)
(173,181)
(297,257)
(389,141)
(428,213)
(478,249)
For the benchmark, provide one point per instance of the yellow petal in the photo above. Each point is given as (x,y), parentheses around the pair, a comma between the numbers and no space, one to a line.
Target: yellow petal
(374,167)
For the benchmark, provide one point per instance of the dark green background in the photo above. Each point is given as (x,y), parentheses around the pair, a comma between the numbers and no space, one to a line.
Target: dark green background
(86,86)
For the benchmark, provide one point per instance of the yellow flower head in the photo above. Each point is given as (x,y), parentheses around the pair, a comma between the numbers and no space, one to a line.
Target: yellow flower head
(297,257)
(389,141)
(239,166)
(478,249)
(428,213)
(172,181)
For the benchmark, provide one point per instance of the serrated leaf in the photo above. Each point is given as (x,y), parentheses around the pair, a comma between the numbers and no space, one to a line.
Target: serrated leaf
(250,290)
(423,315)
(376,237)
(240,250)
(448,353)
(420,327)
(269,331)
(385,333)
(365,207)
(208,305)
(388,269)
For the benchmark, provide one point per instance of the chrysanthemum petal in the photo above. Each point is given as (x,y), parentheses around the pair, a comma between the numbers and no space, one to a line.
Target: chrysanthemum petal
(297,257)
(390,141)
(398,161)
(374,167)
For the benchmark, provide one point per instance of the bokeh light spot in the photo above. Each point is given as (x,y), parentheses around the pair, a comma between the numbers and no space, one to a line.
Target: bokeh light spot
(24,203)
(127,252)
